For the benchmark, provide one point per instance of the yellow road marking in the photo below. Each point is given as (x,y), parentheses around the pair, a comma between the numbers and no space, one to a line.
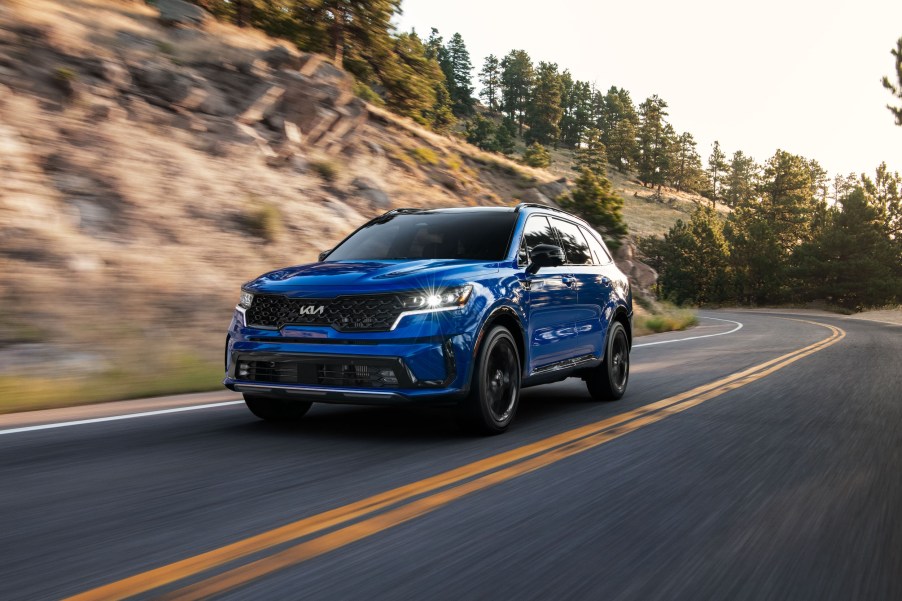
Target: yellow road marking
(530,457)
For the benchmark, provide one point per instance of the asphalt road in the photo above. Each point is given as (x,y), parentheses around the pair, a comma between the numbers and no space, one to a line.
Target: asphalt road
(783,483)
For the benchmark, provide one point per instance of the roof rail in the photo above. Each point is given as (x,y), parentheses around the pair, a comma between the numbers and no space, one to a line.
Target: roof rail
(538,205)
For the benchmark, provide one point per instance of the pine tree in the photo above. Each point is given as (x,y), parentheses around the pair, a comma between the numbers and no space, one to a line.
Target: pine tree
(665,159)
(851,261)
(686,171)
(481,132)
(490,78)
(460,75)
(505,136)
(618,121)
(764,233)
(593,198)
(543,113)
(740,185)
(886,192)
(695,260)
(843,185)
(576,104)
(363,24)
(435,46)
(651,151)
(788,197)
(717,167)
(414,83)
(592,155)
(896,89)
(517,75)
(536,155)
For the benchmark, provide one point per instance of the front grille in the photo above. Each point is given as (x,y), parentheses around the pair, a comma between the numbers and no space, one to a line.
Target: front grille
(340,372)
(370,313)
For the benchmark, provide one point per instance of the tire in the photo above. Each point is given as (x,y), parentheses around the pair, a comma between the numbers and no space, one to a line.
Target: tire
(494,394)
(276,410)
(608,381)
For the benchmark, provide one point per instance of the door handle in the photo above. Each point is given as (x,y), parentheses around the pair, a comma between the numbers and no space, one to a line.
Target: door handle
(605,280)
(568,281)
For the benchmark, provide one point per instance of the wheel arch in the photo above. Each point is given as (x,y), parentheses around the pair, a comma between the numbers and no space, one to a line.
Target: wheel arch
(621,315)
(507,317)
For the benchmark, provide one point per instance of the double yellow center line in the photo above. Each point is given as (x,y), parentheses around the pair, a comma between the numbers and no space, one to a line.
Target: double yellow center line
(361,519)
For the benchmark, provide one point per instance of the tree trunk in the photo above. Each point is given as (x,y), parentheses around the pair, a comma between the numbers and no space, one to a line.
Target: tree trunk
(338,38)
(242,13)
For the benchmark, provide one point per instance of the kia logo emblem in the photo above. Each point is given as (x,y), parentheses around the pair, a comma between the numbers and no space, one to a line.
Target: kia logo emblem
(312,310)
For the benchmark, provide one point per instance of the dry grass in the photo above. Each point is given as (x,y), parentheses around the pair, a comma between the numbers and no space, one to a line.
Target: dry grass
(184,373)
(657,317)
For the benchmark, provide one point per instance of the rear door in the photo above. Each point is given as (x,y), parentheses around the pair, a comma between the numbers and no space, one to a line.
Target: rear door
(592,287)
(551,298)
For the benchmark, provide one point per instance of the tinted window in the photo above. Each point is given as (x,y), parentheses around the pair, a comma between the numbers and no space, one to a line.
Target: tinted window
(601,255)
(575,246)
(477,235)
(537,231)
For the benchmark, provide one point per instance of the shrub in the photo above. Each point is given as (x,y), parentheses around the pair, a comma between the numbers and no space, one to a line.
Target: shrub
(424,156)
(327,170)
(669,319)
(364,92)
(537,155)
(64,74)
(165,47)
(264,221)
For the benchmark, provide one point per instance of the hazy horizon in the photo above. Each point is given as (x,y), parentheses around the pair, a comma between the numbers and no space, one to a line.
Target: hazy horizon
(804,77)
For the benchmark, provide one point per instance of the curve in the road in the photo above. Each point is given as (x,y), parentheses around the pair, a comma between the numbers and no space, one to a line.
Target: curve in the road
(736,329)
(419,498)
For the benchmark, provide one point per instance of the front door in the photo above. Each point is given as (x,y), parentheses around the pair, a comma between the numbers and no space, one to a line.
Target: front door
(550,302)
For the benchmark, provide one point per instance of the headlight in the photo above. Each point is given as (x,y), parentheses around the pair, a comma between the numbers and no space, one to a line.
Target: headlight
(446,298)
(246,300)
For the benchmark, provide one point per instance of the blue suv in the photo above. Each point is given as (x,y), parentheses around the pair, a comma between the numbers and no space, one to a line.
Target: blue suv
(457,306)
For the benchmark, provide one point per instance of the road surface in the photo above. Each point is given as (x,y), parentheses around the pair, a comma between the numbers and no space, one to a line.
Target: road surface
(753,462)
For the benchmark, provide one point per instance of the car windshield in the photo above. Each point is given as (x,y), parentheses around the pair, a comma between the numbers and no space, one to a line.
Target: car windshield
(475,235)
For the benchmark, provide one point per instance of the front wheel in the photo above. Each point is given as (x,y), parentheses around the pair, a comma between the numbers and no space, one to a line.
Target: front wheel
(276,410)
(607,382)
(495,390)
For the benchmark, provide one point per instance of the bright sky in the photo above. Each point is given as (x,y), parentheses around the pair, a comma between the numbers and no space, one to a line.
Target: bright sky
(799,75)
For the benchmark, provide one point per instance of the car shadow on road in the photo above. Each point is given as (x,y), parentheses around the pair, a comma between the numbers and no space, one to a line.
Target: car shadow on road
(418,424)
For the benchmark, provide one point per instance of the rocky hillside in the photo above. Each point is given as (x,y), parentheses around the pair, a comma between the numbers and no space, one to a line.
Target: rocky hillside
(149,166)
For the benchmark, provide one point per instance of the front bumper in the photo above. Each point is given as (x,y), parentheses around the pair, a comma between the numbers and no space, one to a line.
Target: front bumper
(322,365)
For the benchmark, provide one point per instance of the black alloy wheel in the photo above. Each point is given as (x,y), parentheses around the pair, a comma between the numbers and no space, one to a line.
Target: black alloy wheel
(495,390)
(608,381)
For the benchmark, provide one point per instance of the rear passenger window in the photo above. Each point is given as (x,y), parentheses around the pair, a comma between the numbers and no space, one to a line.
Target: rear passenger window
(537,231)
(575,246)
(601,255)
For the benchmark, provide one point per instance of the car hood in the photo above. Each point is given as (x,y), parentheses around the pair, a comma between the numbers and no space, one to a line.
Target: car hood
(369,277)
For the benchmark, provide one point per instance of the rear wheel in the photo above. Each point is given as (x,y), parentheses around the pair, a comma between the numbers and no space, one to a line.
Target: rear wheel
(495,390)
(275,409)
(608,381)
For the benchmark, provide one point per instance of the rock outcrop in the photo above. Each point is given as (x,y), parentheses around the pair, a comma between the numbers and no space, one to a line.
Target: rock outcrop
(177,13)
(642,277)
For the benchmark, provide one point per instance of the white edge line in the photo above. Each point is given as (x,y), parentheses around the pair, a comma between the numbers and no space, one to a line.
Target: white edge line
(736,329)
(113,418)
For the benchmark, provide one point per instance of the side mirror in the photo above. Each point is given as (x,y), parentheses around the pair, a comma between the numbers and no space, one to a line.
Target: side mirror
(545,255)
(324,254)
